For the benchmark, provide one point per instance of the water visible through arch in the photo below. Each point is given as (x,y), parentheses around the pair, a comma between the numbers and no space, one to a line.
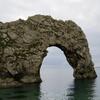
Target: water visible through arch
(55,65)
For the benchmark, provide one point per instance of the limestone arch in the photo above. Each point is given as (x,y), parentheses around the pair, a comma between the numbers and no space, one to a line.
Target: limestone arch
(23,45)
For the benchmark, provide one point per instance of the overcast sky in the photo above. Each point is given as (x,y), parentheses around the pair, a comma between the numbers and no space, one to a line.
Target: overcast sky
(85,13)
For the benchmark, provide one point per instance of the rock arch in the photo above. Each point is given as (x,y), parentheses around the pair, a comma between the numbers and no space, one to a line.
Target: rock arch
(23,45)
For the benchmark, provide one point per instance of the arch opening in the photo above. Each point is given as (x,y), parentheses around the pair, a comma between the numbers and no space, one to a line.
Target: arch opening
(55,56)
(55,63)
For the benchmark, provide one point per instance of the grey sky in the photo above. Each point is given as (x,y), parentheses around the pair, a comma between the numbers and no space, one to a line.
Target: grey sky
(85,13)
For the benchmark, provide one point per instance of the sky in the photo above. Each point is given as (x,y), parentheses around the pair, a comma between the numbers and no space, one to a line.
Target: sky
(86,13)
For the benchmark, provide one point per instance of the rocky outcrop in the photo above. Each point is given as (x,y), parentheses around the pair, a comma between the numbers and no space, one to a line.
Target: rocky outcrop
(24,43)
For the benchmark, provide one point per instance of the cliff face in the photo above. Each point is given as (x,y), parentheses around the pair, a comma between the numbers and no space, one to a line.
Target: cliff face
(23,45)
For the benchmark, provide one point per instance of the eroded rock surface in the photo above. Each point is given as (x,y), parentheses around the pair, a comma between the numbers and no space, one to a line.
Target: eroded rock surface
(23,45)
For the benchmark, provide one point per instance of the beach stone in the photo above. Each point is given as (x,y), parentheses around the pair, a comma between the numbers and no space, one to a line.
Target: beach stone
(24,43)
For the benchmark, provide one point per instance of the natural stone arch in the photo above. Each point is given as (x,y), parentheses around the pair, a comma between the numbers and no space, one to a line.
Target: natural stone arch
(23,46)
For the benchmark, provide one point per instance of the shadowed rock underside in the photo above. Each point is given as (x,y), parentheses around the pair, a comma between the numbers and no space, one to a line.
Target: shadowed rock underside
(24,43)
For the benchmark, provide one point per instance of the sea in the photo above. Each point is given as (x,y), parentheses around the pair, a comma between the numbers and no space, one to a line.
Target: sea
(58,82)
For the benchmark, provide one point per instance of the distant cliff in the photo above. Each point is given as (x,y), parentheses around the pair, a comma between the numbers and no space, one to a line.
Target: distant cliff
(24,43)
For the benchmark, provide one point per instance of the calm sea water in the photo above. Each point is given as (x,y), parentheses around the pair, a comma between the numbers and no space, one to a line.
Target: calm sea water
(58,82)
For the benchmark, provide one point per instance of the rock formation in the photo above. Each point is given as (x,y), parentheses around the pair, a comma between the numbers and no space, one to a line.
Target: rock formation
(24,43)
